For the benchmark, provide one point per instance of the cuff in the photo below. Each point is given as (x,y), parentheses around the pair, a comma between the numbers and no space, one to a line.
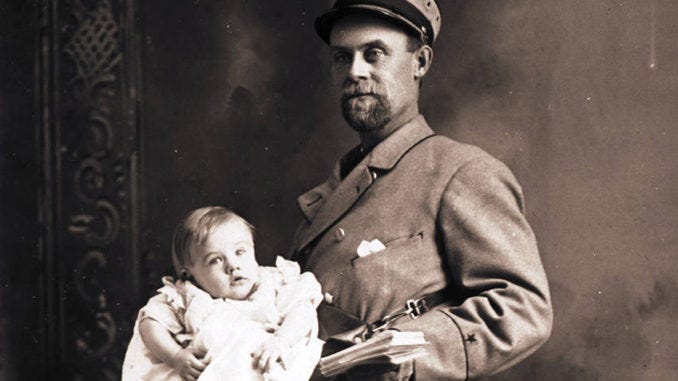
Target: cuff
(447,356)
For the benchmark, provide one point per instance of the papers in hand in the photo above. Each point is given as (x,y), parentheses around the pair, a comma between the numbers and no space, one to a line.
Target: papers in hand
(387,347)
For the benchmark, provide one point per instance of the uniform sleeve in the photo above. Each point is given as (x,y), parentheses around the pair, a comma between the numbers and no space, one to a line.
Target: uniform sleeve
(504,313)
(167,308)
(296,287)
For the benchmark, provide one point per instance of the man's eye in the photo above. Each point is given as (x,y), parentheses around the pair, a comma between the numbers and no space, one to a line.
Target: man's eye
(341,58)
(373,55)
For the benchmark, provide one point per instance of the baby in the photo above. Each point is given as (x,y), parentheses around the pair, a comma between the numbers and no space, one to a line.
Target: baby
(226,318)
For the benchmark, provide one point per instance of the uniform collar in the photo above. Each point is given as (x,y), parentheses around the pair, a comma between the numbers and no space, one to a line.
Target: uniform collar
(382,157)
(387,153)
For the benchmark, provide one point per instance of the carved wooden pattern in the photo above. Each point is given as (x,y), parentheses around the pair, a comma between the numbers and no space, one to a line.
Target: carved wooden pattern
(92,138)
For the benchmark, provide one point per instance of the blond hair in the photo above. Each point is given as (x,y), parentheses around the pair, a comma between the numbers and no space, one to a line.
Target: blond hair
(195,228)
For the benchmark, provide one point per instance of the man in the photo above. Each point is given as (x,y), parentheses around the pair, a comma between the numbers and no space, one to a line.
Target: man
(457,245)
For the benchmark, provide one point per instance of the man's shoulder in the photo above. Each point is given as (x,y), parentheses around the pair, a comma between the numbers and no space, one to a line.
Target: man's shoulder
(452,152)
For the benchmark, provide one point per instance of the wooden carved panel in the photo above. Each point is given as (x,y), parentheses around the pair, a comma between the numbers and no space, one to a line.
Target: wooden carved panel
(91,141)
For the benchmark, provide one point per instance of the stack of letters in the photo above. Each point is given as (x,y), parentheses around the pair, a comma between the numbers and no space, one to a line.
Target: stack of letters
(387,347)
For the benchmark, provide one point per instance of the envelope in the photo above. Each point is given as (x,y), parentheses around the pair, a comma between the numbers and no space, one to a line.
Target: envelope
(369,247)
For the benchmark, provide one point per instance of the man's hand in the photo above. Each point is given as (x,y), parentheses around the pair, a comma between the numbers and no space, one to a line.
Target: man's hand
(379,372)
(190,362)
(271,351)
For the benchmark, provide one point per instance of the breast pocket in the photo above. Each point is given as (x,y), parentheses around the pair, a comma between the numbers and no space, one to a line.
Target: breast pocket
(381,281)
(390,245)
(404,240)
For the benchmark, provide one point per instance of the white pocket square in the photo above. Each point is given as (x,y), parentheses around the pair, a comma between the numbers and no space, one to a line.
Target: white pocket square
(366,248)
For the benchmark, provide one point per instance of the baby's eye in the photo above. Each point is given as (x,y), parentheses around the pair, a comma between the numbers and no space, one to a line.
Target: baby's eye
(215,260)
(240,252)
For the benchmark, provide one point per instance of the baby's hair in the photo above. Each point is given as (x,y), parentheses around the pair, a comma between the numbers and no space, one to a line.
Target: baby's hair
(195,227)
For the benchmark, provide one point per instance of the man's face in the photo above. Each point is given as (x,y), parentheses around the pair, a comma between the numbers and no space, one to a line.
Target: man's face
(374,71)
(224,265)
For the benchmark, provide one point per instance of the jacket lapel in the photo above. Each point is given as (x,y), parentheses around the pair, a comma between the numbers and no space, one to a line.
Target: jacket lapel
(326,203)
(311,201)
(346,193)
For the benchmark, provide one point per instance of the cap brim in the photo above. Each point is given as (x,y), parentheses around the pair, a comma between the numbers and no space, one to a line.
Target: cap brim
(325,22)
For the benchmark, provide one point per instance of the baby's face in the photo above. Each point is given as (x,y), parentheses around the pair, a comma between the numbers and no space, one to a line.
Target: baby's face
(225,266)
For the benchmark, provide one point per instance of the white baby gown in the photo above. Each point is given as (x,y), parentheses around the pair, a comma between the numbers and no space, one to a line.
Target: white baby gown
(230,330)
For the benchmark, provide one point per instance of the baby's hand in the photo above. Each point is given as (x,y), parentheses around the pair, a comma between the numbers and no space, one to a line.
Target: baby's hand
(271,351)
(190,362)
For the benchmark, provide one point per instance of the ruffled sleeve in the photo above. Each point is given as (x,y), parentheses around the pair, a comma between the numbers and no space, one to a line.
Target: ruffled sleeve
(295,287)
(199,306)
(167,307)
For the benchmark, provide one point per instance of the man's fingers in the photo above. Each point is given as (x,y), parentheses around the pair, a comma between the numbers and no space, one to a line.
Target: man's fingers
(198,365)
(193,373)
(199,352)
(189,376)
(264,360)
(261,361)
(283,362)
(255,358)
(207,359)
(267,365)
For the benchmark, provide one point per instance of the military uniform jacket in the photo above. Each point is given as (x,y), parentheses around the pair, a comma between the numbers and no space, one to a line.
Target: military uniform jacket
(451,217)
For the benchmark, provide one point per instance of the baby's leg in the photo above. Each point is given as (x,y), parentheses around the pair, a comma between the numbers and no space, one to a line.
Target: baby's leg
(304,357)
(230,349)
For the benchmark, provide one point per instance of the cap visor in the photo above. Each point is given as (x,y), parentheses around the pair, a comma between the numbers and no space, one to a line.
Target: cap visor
(325,22)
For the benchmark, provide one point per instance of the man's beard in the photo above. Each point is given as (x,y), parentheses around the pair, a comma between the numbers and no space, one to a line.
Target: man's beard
(368,114)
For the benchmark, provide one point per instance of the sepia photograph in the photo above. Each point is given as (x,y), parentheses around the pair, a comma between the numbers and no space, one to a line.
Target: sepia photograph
(339,190)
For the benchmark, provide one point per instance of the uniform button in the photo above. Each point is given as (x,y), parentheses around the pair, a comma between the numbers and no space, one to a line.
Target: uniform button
(329,298)
(339,234)
(374,175)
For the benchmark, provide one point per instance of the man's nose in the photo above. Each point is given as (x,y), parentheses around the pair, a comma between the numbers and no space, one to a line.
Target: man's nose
(360,69)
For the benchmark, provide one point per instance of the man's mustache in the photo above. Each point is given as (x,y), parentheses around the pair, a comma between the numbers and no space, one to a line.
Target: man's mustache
(358,90)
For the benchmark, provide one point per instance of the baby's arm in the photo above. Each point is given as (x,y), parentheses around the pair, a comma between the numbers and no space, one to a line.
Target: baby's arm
(189,361)
(295,326)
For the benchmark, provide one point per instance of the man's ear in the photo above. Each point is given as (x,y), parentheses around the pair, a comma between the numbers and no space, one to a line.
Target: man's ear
(423,59)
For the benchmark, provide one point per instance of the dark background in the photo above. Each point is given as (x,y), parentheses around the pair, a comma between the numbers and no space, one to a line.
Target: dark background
(579,98)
